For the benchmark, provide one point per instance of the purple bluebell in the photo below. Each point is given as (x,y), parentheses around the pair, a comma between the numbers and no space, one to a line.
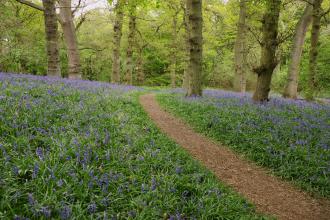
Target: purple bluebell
(15,170)
(35,170)
(65,212)
(153,184)
(91,208)
(46,212)
(178,170)
(39,153)
(60,183)
(31,200)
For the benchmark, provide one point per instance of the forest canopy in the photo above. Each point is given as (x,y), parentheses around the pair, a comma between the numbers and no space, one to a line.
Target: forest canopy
(155,51)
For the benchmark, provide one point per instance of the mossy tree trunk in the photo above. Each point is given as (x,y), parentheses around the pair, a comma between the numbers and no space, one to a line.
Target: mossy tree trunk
(174,50)
(196,47)
(313,53)
(240,50)
(130,46)
(185,83)
(269,46)
(117,34)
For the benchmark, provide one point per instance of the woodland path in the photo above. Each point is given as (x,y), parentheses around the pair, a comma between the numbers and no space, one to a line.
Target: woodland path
(269,194)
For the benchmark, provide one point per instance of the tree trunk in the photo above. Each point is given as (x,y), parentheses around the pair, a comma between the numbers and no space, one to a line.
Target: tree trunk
(291,88)
(51,30)
(130,46)
(269,46)
(313,53)
(196,47)
(240,51)
(139,67)
(117,34)
(185,84)
(66,20)
(174,51)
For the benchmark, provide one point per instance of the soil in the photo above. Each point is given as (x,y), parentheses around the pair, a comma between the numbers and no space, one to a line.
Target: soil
(270,194)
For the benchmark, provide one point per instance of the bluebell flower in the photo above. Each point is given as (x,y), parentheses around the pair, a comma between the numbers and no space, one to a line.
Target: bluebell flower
(39,153)
(132,214)
(35,171)
(60,183)
(91,208)
(31,199)
(15,170)
(65,212)
(153,184)
(178,170)
(46,212)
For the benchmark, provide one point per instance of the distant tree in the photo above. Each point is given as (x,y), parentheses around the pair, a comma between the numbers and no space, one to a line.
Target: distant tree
(241,50)
(70,38)
(196,47)
(269,45)
(117,30)
(175,10)
(313,53)
(131,41)
(291,88)
(187,44)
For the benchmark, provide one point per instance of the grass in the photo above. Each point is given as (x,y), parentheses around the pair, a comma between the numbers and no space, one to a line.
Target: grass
(290,137)
(83,150)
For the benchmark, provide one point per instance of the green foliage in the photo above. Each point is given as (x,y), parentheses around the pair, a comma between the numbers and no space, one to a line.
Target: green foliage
(23,46)
(292,138)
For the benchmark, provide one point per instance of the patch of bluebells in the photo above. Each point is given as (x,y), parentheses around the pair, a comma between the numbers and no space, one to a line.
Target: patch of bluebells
(80,149)
(290,136)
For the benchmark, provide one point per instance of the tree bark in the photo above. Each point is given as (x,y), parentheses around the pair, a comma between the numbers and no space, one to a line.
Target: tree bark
(51,29)
(196,47)
(66,21)
(130,47)
(313,53)
(185,84)
(240,51)
(291,88)
(117,30)
(269,46)
(174,51)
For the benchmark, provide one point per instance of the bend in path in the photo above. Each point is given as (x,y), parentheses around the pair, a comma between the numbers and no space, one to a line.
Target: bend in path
(269,194)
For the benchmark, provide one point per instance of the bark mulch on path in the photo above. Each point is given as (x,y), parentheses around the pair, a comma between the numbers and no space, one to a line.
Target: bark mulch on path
(269,194)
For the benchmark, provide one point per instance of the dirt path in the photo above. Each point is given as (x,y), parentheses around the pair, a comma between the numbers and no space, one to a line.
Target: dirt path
(268,193)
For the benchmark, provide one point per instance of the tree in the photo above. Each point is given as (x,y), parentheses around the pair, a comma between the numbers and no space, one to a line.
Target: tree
(196,47)
(187,44)
(130,46)
(70,38)
(291,88)
(269,45)
(240,50)
(65,18)
(313,53)
(175,9)
(51,29)
(117,30)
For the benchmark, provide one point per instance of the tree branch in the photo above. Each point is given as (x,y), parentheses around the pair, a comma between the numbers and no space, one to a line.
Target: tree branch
(31,4)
